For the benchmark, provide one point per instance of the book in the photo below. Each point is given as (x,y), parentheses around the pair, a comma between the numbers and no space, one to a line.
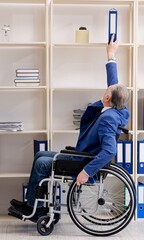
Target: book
(27,70)
(27,78)
(27,74)
(27,81)
(27,84)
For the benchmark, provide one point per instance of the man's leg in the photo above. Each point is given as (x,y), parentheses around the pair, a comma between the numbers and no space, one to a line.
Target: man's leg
(42,169)
(16,203)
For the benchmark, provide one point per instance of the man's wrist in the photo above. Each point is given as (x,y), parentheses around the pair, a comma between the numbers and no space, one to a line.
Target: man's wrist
(112,59)
(85,172)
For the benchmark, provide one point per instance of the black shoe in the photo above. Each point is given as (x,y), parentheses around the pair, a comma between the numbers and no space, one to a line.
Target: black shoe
(27,211)
(23,210)
(15,203)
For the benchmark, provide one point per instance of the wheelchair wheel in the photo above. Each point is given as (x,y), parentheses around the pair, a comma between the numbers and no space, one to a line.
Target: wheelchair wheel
(105,207)
(41,226)
(123,171)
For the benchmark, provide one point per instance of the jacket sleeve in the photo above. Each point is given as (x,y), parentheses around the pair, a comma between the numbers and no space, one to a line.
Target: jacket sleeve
(107,137)
(112,76)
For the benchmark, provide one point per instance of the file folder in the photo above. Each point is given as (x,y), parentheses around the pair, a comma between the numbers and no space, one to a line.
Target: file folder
(40,145)
(140,162)
(128,156)
(112,24)
(119,155)
(140,207)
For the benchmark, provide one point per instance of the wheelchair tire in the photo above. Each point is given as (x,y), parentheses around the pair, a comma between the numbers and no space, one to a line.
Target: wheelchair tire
(104,208)
(41,226)
(123,171)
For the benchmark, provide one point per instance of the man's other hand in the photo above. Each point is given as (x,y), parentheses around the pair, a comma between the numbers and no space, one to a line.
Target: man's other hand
(82,178)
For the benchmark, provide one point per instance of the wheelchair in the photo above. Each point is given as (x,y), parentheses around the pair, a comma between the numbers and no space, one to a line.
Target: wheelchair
(103,206)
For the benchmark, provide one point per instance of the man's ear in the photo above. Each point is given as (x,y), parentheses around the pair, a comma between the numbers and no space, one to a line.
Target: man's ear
(107,98)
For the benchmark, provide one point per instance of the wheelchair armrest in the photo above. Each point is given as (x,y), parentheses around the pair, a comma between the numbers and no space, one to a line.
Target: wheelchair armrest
(76,153)
(124,130)
(69,148)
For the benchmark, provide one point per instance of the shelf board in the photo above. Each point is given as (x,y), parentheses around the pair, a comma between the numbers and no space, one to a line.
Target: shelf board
(88,45)
(27,2)
(65,131)
(83,89)
(78,89)
(24,132)
(14,175)
(141,45)
(140,131)
(22,44)
(89,2)
(9,88)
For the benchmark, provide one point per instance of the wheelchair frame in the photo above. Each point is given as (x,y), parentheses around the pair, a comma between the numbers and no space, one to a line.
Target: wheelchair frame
(112,219)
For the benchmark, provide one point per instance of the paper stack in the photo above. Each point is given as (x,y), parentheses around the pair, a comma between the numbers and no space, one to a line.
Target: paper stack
(11,126)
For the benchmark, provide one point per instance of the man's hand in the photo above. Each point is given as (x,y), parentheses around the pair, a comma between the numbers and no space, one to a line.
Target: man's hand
(112,48)
(82,178)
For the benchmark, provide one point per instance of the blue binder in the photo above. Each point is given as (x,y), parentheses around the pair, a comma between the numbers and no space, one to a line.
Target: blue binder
(128,156)
(140,205)
(119,156)
(112,24)
(140,160)
(40,145)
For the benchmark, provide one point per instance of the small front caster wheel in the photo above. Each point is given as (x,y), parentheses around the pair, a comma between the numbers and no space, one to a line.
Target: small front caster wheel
(41,226)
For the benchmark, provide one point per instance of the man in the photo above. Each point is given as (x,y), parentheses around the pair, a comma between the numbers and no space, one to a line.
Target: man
(98,129)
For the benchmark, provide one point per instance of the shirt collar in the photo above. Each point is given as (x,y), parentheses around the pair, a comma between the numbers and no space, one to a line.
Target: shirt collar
(105,108)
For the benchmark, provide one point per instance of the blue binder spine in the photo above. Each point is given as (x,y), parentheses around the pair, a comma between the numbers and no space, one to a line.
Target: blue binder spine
(113,19)
(119,155)
(128,156)
(140,161)
(140,197)
(40,145)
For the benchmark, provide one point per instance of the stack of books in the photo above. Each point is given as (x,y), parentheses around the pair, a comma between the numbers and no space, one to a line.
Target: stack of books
(27,77)
(77,114)
(11,126)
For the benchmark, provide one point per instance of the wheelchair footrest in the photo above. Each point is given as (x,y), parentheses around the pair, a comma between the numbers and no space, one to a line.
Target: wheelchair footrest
(15,214)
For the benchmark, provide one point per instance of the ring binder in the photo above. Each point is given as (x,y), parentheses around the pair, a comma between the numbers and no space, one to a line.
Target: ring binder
(112,24)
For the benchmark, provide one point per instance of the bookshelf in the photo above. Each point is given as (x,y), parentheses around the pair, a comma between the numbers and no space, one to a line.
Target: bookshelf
(72,75)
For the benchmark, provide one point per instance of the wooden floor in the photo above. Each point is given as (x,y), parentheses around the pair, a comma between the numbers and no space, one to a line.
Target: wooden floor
(14,229)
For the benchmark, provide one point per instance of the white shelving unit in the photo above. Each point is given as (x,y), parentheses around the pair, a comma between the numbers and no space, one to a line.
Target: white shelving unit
(27,46)
(71,75)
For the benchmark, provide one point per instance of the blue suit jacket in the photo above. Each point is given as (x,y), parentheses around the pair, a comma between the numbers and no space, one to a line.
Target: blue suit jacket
(99,136)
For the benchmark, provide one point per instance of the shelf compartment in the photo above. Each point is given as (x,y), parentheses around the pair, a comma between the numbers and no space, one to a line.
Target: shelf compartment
(28,107)
(68,18)
(25,22)
(87,66)
(12,59)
